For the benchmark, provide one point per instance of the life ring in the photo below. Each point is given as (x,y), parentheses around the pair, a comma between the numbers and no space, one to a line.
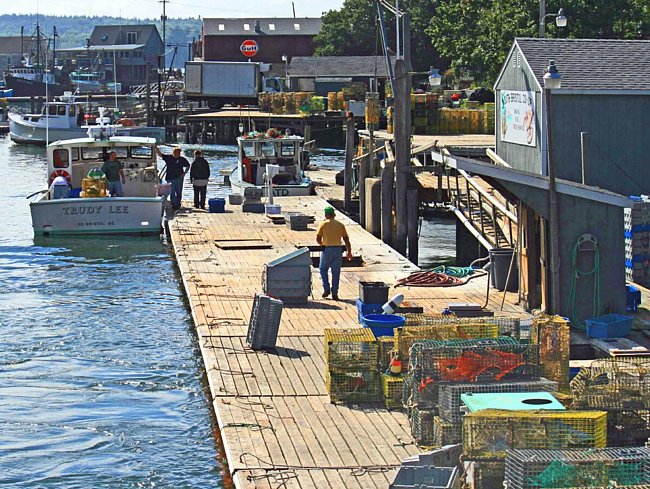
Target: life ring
(126,122)
(60,173)
(248,177)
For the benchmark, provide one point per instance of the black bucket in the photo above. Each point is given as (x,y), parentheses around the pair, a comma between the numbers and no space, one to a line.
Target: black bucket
(500,259)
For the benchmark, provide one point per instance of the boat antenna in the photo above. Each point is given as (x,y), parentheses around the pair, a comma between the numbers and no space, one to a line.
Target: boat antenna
(115,79)
(47,110)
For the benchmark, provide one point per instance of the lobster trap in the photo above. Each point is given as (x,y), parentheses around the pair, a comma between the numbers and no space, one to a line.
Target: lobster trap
(484,360)
(628,428)
(392,388)
(552,334)
(422,426)
(385,346)
(449,402)
(487,434)
(485,475)
(350,349)
(352,386)
(427,319)
(446,433)
(613,384)
(607,467)
(422,393)
(518,328)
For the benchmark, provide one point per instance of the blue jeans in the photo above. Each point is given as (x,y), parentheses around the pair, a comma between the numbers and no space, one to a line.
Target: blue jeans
(177,191)
(115,188)
(331,257)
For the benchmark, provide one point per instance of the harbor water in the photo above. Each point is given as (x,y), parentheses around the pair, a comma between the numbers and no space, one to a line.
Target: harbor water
(101,380)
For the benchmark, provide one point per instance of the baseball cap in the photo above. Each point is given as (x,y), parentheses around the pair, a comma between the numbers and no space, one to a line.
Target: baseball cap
(329,210)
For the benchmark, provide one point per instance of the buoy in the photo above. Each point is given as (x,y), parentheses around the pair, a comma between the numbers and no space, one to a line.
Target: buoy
(392,304)
(395,367)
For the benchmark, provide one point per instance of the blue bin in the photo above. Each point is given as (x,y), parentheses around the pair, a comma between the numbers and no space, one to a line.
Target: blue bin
(383,324)
(74,193)
(217,205)
(609,326)
(364,309)
(633,298)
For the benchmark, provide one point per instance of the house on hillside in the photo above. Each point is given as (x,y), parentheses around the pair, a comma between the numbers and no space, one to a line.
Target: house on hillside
(589,134)
(276,40)
(10,52)
(323,74)
(131,49)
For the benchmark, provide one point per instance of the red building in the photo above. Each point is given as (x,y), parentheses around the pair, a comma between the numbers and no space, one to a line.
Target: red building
(275,38)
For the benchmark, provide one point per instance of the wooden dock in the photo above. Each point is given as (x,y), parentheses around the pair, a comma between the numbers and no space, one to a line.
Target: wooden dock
(275,418)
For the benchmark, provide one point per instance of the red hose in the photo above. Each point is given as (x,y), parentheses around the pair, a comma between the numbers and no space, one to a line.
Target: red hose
(429,279)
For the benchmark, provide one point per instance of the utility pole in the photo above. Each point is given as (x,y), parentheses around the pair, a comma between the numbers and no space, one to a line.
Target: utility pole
(54,36)
(542,18)
(163,18)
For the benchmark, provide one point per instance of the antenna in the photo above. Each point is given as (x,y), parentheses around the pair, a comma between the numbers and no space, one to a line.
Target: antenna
(163,18)
(293,6)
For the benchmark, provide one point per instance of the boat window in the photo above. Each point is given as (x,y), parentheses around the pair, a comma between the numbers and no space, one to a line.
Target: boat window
(144,152)
(51,109)
(249,149)
(287,149)
(268,148)
(60,158)
(61,109)
(75,154)
(121,151)
(92,154)
(73,111)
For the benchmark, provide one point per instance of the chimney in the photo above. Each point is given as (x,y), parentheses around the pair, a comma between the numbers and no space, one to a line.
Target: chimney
(257,26)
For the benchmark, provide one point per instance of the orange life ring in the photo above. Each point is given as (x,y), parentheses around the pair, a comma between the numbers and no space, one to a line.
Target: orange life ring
(126,122)
(248,177)
(60,173)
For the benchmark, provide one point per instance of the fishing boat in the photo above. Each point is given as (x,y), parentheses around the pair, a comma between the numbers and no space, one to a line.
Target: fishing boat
(31,81)
(66,119)
(84,207)
(275,156)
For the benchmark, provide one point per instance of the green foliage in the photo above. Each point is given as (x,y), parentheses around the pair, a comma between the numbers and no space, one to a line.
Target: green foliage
(475,35)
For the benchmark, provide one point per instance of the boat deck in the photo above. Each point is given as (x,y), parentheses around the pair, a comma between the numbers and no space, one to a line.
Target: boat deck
(275,418)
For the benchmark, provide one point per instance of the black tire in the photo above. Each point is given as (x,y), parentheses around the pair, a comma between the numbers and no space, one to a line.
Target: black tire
(215,104)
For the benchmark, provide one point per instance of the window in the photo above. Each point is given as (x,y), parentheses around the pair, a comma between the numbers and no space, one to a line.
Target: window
(126,54)
(249,149)
(131,37)
(287,149)
(60,158)
(73,111)
(144,152)
(121,152)
(92,154)
(61,109)
(247,27)
(268,148)
(51,109)
(138,54)
(222,27)
(271,27)
(296,27)
(75,154)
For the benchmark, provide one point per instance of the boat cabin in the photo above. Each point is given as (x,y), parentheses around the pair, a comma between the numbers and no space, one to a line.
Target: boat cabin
(281,158)
(73,160)
(59,115)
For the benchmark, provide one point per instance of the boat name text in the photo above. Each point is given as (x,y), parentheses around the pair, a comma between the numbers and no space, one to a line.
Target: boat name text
(95,209)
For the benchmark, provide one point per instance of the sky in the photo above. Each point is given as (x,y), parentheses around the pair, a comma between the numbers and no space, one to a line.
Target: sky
(174,8)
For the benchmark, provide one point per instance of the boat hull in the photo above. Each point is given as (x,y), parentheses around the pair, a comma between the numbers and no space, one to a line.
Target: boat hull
(109,215)
(305,188)
(23,87)
(34,133)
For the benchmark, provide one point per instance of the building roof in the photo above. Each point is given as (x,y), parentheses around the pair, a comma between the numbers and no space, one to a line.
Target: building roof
(116,34)
(10,44)
(337,66)
(305,26)
(107,47)
(590,64)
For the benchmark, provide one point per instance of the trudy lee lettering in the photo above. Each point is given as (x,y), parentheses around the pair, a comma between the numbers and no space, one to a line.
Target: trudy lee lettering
(86,210)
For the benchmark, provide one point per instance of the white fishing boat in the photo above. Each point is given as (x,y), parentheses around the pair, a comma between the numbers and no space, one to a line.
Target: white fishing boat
(74,211)
(271,155)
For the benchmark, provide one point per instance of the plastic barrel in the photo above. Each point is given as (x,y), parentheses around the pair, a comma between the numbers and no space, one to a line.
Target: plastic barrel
(500,259)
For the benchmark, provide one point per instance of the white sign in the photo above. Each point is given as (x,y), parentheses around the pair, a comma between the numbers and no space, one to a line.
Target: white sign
(518,117)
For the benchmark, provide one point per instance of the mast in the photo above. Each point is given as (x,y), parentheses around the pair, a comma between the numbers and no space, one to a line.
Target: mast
(54,36)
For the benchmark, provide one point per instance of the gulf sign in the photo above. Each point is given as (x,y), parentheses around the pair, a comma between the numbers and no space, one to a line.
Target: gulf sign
(248,48)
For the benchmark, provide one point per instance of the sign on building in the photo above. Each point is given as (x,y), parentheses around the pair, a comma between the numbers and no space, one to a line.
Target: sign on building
(518,117)
(248,48)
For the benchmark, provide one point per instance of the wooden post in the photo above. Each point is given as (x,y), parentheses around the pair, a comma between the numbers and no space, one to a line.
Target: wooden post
(387,180)
(402,135)
(373,206)
(349,155)
(413,205)
(364,166)
(148,87)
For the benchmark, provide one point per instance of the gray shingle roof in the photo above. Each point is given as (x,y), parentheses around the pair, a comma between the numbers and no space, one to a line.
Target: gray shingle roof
(11,44)
(591,64)
(305,26)
(337,66)
(116,34)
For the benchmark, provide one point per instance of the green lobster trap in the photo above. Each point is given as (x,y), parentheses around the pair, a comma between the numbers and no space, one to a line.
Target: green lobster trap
(487,434)
(607,467)
(422,426)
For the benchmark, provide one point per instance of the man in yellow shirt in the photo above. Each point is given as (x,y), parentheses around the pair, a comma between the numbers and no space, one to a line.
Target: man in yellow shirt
(329,235)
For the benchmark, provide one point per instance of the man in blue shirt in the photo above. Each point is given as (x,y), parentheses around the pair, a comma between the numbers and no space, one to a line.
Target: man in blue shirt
(177,167)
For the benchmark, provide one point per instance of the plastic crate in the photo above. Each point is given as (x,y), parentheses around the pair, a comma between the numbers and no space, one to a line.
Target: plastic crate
(264,322)
(425,477)
(633,298)
(609,326)
(364,309)
(217,205)
(373,292)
